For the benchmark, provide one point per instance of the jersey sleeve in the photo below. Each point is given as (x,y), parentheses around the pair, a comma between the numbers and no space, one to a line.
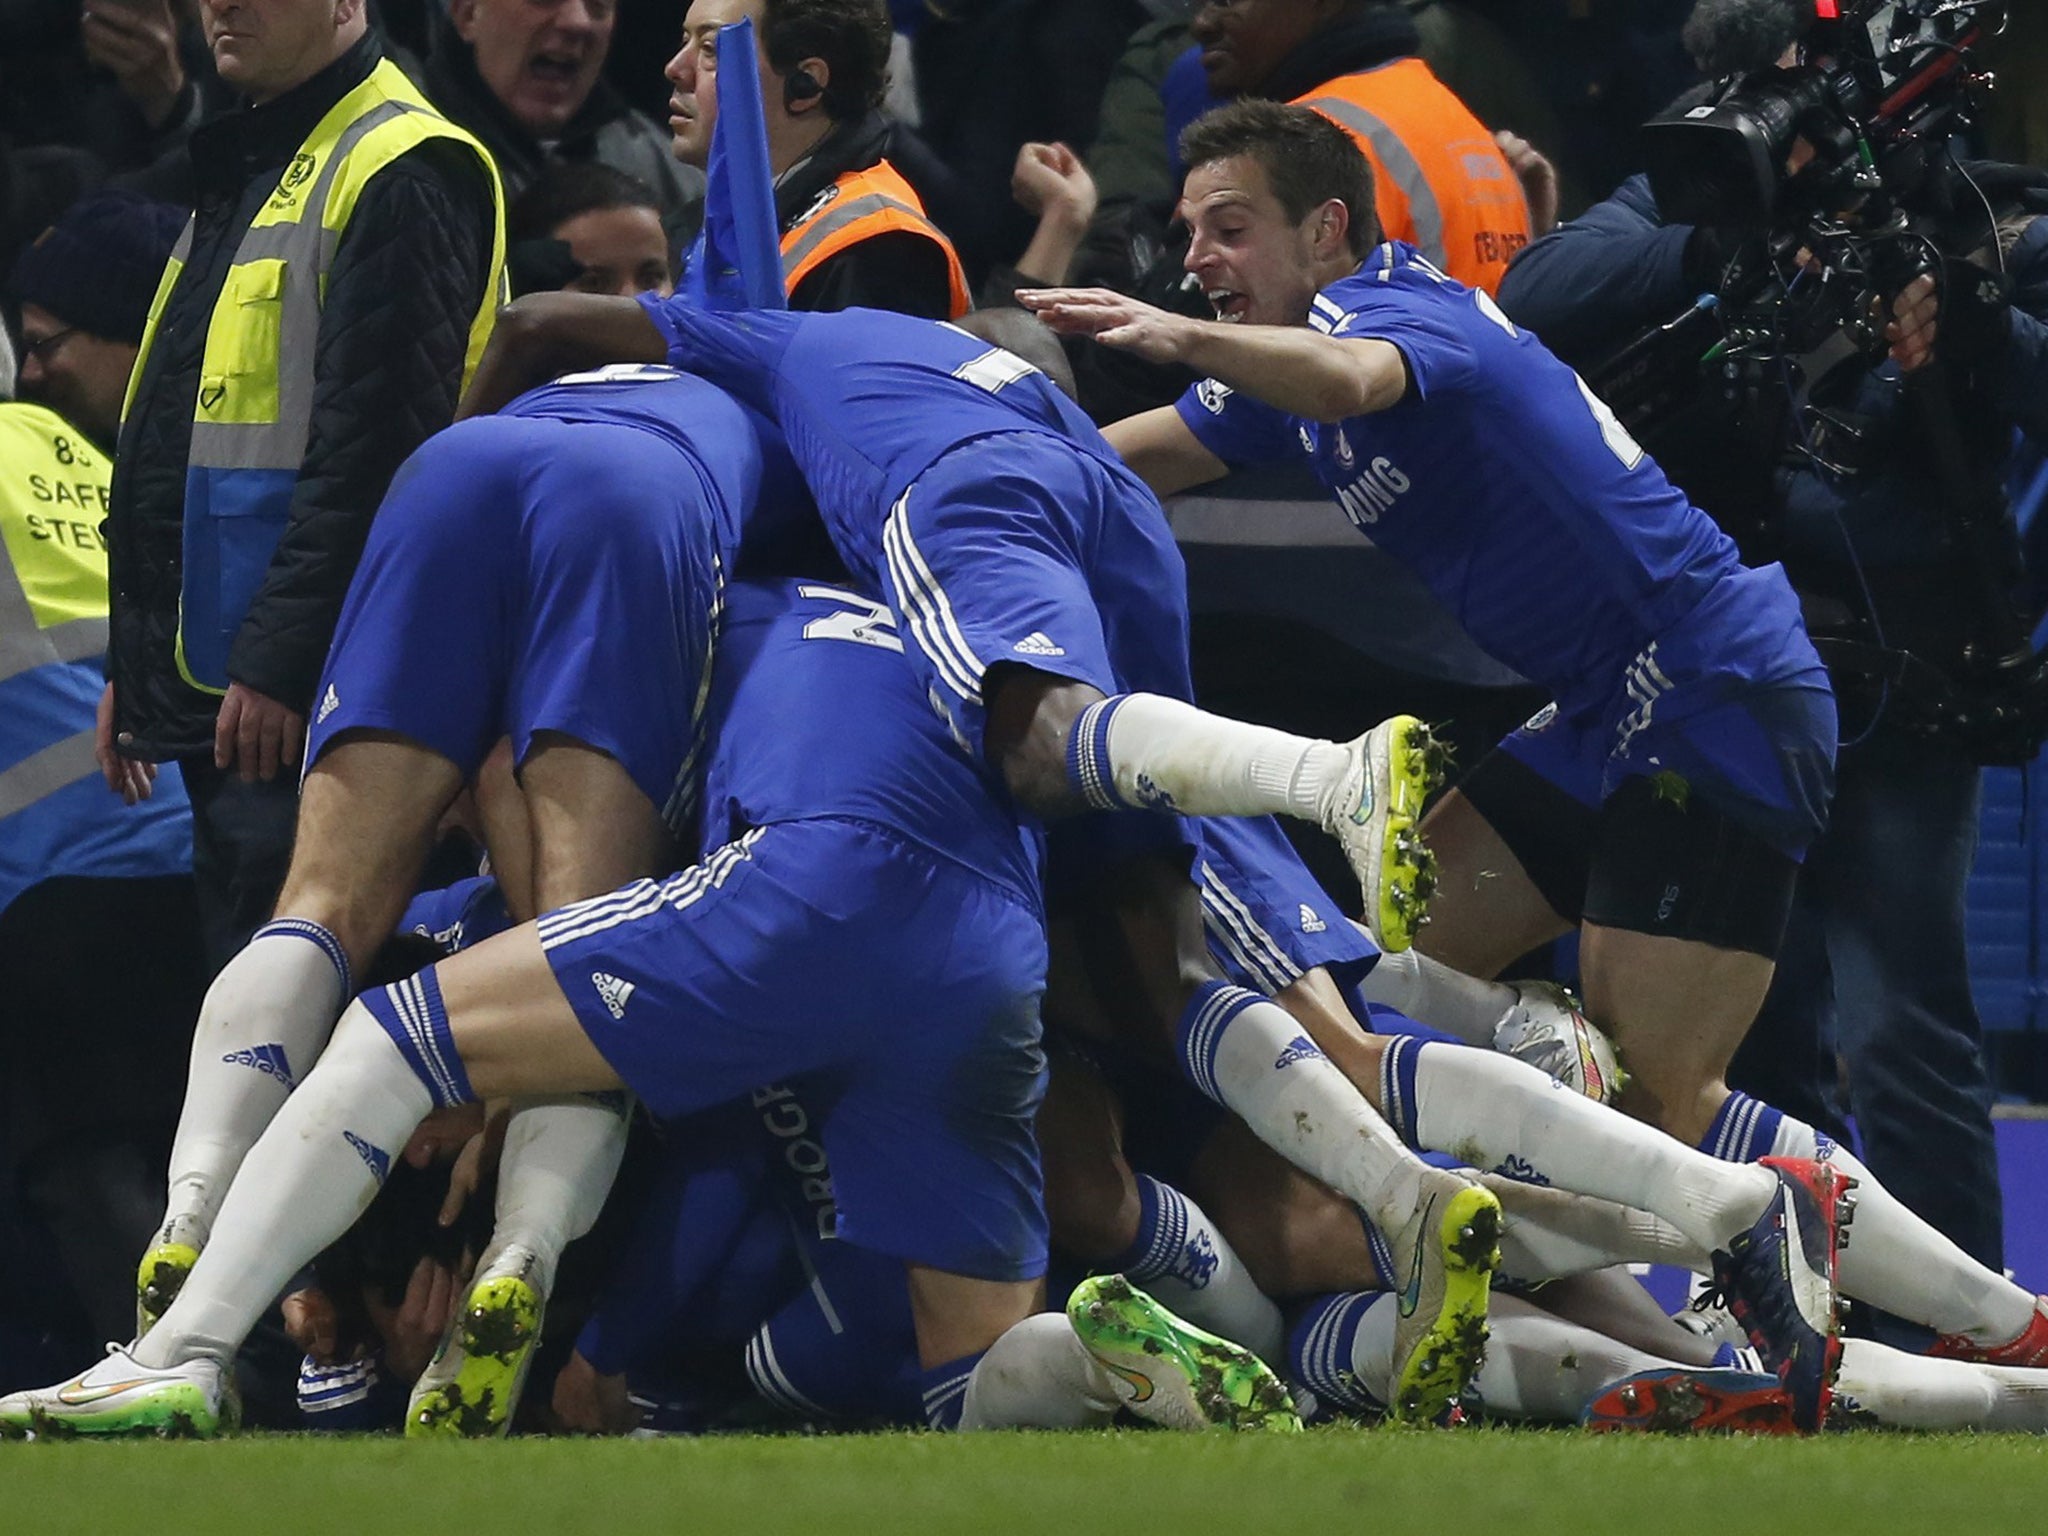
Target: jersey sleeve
(1437,353)
(739,351)
(1238,429)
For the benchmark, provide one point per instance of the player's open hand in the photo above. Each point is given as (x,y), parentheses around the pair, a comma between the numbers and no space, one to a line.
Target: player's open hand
(587,1403)
(414,1331)
(255,735)
(1114,319)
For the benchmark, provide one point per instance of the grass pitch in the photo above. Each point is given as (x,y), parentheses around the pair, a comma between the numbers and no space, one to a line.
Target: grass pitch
(1469,1483)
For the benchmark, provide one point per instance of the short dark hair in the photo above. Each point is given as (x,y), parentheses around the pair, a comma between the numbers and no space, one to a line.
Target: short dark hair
(1024,334)
(1308,160)
(851,36)
(566,189)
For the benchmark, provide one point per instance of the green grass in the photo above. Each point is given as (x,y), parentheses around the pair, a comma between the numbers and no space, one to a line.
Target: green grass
(1376,1483)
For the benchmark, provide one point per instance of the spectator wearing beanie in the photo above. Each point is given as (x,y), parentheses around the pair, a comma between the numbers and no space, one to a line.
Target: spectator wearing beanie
(84,288)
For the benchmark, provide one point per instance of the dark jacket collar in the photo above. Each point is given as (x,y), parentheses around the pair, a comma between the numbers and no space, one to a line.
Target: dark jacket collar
(852,146)
(238,143)
(1377,35)
(458,90)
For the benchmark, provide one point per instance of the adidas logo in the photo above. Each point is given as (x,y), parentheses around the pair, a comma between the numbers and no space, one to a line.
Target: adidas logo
(1038,643)
(1151,797)
(1300,1048)
(1310,923)
(377,1159)
(1522,1171)
(268,1059)
(330,701)
(614,992)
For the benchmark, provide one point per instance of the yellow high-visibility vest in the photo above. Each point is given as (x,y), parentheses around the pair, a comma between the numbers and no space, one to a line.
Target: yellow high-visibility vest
(56,817)
(254,408)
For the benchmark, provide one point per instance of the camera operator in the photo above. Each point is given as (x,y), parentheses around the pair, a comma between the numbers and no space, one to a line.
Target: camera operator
(1863,485)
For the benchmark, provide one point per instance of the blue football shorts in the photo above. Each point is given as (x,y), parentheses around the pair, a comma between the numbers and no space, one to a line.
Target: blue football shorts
(901,987)
(528,575)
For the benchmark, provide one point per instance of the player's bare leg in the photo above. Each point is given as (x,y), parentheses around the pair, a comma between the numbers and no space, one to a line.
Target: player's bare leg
(1486,913)
(593,827)
(367,814)
(507,831)
(1676,1009)
(593,830)
(1115,1220)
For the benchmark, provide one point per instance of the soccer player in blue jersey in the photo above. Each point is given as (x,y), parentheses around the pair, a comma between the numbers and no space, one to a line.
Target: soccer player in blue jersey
(552,575)
(1041,595)
(1690,708)
(1689,705)
(873,923)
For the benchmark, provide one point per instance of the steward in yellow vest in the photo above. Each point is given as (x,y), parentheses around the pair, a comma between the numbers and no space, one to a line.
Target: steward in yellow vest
(317,321)
(57,817)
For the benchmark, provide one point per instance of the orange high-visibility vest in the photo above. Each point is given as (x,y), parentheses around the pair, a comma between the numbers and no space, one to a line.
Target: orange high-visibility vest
(1440,181)
(858,206)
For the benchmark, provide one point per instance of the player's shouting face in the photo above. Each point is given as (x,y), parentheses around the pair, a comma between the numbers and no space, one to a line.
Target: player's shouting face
(1255,264)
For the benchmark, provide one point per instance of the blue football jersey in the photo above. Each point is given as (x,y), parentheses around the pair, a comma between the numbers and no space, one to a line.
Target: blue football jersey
(814,714)
(743,457)
(867,399)
(1518,497)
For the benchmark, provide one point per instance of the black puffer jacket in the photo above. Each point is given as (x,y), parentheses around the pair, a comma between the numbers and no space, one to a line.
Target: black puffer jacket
(407,279)
(605,129)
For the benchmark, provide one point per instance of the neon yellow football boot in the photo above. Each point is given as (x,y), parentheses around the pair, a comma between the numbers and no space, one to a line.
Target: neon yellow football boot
(472,1385)
(1169,1371)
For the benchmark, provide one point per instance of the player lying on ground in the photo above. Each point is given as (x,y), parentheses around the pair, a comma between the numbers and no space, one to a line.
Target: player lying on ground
(1305,1244)
(736,1296)
(1768,1233)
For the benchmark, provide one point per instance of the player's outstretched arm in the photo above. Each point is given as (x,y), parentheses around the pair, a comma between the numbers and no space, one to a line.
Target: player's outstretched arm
(1296,369)
(545,335)
(1162,452)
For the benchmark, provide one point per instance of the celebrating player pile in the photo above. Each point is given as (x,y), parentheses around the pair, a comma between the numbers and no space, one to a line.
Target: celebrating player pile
(898,750)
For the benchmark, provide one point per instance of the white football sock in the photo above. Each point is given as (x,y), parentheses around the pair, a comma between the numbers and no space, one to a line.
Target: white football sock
(262,1026)
(1149,751)
(1504,1116)
(559,1161)
(1549,1233)
(1918,1392)
(304,1183)
(1038,1375)
(1896,1261)
(1189,1267)
(1538,1366)
(1250,1056)
(1432,993)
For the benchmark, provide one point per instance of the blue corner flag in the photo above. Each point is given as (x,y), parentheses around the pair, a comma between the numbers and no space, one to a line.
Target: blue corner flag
(736,260)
